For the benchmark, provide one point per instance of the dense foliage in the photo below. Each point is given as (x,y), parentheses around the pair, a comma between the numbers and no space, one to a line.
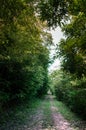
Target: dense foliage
(24,53)
(73,48)
(70,90)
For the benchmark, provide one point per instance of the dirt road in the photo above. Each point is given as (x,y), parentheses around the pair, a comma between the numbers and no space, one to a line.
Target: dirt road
(46,116)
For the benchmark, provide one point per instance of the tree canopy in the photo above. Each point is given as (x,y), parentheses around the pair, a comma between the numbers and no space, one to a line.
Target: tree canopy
(73,48)
(24,52)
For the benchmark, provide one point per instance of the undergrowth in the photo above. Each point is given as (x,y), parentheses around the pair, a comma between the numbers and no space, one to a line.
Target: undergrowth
(19,114)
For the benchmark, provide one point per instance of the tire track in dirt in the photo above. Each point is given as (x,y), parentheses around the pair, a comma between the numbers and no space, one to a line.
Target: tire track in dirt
(59,122)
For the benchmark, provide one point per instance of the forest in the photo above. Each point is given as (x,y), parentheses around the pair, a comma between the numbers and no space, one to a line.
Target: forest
(25,43)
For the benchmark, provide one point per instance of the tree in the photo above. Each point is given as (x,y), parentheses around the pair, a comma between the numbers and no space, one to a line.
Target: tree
(73,48)
(22,47)
(53,11)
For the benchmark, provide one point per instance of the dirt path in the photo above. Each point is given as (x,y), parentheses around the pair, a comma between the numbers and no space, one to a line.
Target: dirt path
(59,122)
(45,117)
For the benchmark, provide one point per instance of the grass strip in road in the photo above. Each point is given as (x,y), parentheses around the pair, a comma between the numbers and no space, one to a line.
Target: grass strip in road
(47,119)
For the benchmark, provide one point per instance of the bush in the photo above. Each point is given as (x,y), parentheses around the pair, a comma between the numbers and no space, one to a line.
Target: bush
(73,93)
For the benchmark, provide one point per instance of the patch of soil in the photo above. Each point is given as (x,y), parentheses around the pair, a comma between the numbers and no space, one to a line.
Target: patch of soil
(35,122)
(59,122)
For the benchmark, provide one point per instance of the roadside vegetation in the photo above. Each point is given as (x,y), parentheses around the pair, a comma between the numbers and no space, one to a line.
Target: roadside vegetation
(70,90)
(18,117)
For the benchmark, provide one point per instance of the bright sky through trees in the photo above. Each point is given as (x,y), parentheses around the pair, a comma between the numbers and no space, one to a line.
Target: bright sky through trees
(56,35)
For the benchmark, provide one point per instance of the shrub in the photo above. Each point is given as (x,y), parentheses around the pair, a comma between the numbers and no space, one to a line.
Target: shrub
(73,93)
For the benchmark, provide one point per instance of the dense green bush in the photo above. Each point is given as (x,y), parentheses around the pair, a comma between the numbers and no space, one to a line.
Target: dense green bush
(72,92)
(17,82)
